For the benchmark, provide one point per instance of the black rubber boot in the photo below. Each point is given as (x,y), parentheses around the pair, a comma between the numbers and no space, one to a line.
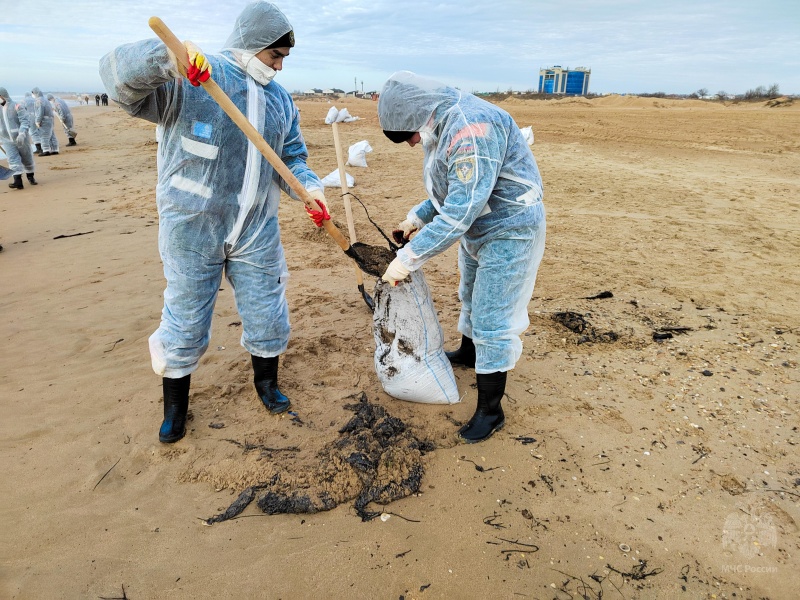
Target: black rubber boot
(465,355)
(176,406)
(46,153)
(72,142)
(39,150)
(265,378)
(31,179)
(17,184)
(488,416)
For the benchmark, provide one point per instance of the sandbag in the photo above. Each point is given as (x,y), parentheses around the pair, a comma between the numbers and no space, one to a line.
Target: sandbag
(527,133)
(332,179)
(409,353)
(357,154)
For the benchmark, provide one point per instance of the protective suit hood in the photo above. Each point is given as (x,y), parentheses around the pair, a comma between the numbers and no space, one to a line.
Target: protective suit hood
(410,102)
(51,97)
(258,26)
(37,93)
(4,93)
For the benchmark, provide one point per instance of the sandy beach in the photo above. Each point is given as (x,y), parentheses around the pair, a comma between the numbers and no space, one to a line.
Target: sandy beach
(651,443)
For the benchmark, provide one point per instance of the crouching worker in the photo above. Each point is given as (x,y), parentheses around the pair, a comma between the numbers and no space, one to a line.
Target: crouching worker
(484,190)
(14,127)
(217,196)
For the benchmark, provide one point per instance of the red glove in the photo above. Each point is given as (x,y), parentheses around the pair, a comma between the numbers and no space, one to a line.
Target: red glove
(196,76)
(199,68)
(318,216)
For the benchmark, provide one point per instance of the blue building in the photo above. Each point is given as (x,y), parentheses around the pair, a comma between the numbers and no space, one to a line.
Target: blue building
(570,82)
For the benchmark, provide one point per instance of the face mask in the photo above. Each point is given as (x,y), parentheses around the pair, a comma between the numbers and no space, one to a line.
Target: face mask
(256,69)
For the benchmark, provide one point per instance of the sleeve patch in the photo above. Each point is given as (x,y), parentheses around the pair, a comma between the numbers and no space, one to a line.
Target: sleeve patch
(465,169)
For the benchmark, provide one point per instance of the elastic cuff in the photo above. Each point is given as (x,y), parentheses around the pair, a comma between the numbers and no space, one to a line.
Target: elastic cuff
(178,373)
(409,260)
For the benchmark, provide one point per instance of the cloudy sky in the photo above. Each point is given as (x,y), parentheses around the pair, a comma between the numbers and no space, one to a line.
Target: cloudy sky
(673,46)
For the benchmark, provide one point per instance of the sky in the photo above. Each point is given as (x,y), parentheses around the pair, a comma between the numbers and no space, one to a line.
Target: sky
(646,46)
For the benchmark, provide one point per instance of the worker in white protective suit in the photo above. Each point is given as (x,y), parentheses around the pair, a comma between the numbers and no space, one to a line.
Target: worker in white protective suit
(64,114)
(33,131)
(44,120)
(217,196)
(14,124)
(484,190)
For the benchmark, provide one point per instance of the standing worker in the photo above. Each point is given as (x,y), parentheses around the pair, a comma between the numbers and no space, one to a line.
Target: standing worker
(217,196)
(43,119)
(14,125)
(97,99)
(64,115)
(33,131)
(485,190)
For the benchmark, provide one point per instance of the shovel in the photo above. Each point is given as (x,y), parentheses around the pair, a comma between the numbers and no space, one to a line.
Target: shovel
(348,211)
(366,258)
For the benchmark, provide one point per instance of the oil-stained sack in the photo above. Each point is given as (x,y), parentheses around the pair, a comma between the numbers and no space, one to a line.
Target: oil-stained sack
(409,354)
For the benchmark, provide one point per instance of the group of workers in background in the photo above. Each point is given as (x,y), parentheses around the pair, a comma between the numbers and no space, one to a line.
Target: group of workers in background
(28,124)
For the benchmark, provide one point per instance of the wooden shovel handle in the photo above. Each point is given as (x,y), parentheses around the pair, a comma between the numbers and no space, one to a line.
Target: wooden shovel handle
(221,98)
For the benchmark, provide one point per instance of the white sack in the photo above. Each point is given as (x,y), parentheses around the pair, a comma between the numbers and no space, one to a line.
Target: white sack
(527,133)
(332,179)
(357,154)
(339,116)
(331,116)
(409,353)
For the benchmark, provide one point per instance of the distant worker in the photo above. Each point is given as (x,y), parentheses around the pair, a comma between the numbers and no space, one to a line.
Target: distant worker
(104,98)
(86,99)
(64,115)
(14,139)
(218,197)
(33,131)
(484,190)
(97,99)
(43,118)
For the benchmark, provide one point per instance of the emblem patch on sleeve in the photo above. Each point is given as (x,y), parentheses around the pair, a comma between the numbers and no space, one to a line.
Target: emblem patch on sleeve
(465,169)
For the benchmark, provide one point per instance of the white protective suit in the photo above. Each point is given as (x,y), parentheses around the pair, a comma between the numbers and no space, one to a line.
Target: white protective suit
(217,196)
(485,190)
(44,120)
(14,123)
(30,106)
(64,114)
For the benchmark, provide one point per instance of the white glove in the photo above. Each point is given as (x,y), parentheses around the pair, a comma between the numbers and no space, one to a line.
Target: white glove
(22,138)
(407,227)
(403,232)
(395,272)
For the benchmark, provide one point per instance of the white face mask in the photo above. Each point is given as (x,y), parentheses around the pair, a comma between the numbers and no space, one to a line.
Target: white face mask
(256,69)
(427,134)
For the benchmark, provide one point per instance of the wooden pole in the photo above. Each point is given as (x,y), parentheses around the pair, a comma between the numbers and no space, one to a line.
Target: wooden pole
(348,209)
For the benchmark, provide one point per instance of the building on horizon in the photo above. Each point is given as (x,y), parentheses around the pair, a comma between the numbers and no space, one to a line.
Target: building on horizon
(559,80)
